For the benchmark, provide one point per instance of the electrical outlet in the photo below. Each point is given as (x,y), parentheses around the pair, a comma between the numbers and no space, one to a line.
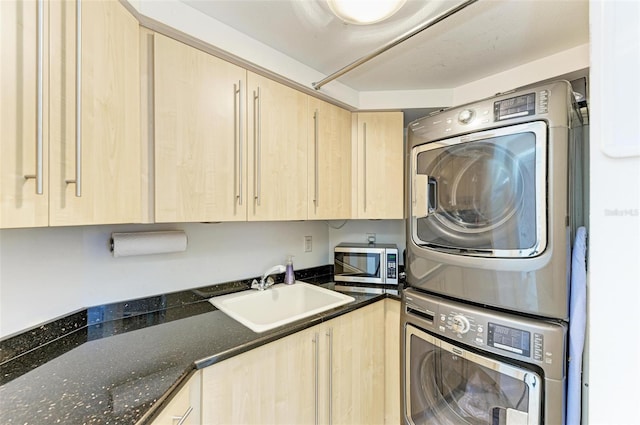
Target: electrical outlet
(371,238)
(308,245)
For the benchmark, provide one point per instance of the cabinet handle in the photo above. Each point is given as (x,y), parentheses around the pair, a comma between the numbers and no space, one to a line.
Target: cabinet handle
(183,418)
(316,138)
(78,178)
(364,169)
(316,343)
(237,112)
(39,101)
(257,142)
(330,335)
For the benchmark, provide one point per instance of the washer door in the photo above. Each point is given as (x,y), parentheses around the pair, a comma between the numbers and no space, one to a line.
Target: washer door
(482,194)
(447,385)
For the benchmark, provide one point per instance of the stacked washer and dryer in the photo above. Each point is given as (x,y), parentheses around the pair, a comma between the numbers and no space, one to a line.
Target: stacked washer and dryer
(495,197)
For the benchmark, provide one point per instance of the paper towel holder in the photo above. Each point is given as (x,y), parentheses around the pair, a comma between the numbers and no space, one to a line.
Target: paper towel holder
(124,244)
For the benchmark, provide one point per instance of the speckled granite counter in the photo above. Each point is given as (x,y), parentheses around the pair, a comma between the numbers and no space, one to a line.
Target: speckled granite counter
(120,363)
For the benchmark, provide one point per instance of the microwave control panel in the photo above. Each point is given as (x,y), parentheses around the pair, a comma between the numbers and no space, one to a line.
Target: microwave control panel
(392,266)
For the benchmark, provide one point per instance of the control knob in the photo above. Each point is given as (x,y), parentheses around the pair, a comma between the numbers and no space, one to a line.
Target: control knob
(460,324)
(465,116)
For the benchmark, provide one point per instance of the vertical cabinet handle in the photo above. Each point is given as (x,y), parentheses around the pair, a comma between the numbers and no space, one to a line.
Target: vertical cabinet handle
(39,101)
(237,115)
(39,148)
(316,343)
(183,418)
(364,168)
(316,139)
(78,177)
(257,130)
(330,342)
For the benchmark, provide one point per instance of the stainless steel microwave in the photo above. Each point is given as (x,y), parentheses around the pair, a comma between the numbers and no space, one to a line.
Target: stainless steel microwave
(366,263)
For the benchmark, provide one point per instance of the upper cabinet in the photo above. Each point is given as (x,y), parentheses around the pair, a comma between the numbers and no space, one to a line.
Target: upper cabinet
(378,145)
(329,169)
(277,150)
(95,147)
(24,167)
(224,144)
(200,143)
(70,114)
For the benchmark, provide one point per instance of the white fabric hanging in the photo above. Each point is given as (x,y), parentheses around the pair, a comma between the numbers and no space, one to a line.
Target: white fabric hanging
(577,326)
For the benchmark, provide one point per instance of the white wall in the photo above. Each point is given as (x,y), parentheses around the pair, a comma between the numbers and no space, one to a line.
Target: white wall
(562,63)
(386,231)
(49,272)
(613,365)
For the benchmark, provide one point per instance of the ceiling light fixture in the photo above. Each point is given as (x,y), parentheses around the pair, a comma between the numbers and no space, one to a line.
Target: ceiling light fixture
(364,12)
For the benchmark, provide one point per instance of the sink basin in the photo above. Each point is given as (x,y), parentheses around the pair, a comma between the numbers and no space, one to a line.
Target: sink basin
(279,304)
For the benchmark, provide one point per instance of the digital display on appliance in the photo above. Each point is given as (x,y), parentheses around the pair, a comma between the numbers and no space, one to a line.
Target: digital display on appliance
(516,107)
(509,339)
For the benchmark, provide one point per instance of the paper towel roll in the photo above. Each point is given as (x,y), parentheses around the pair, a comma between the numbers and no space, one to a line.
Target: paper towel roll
(144,243)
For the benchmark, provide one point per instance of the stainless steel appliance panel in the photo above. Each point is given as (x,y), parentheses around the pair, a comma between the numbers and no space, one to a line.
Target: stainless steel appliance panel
(375,264)
(464,364)
(493,200)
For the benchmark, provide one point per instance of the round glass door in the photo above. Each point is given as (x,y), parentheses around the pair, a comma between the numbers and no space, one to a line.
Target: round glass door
(447,388)
(480,186)
(485,196)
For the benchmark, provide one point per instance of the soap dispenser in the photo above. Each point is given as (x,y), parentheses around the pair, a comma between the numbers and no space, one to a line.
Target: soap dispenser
(289,276)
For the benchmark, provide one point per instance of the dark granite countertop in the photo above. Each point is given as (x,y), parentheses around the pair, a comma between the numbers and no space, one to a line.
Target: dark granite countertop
(121,363)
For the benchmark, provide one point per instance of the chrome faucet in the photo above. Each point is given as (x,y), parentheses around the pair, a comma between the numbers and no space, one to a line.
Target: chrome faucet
(266,280)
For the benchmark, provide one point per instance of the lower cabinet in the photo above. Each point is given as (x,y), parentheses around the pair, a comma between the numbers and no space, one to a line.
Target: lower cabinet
(333,373)
(356,387)
(272,384)
(184,408)
(392,355)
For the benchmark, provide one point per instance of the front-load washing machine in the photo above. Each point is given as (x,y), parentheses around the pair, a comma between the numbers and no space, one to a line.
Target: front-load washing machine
(495,192)
(469,365)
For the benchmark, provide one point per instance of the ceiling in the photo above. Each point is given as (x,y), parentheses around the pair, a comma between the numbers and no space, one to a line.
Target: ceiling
(485,38)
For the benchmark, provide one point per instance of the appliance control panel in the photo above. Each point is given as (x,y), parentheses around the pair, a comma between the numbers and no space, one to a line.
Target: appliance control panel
(546,102)
(392,265)
(536,341)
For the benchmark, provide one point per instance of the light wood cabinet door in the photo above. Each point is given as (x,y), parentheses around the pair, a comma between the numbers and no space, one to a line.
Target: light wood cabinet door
(356,362)
(93,179)
(200,148)
(277,149)
(185,405)
(23,105)
(329,169)
(96,178)
(392,362)
(330,373)
(271,384)
(379,163)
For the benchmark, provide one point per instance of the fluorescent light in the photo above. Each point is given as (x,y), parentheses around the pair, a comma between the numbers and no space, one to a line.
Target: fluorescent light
(363,12)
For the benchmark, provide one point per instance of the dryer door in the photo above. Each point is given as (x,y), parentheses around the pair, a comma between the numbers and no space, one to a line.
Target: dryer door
(482,194)
(448,385)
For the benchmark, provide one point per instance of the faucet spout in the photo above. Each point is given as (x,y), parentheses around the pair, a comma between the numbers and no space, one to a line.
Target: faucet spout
(266,281)
(275,269)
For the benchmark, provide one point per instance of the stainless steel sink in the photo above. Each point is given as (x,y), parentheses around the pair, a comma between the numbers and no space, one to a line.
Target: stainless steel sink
(278,305)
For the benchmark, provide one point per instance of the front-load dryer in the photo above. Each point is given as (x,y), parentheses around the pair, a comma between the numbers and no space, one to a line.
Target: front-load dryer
(495,191)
